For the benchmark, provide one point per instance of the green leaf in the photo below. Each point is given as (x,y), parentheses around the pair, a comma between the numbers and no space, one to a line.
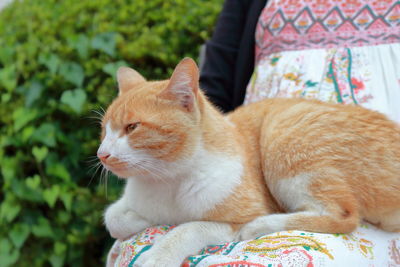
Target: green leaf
(5,97)
(74,99)
(42,228)
(66,198)
(7,54)
(27,133)
(25,192)
(72,72)
(57,260)
(58,257)
(19,233)
(5,246)
(8,168)
(51,61)
(40,153)
(111,68)
(8,256)
(33,182)
(23,116)
(46,134)
(33,92)
(9,259)
(63,217)
(60,248)
(50,195)
(8,77)
(59,170)
(105,42)
(81,43)
(9,210)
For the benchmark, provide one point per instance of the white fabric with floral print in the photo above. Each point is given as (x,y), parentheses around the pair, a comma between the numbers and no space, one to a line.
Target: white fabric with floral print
(368,76)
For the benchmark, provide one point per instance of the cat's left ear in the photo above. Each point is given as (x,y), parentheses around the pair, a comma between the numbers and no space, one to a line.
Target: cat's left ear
(184,84)
(128,78)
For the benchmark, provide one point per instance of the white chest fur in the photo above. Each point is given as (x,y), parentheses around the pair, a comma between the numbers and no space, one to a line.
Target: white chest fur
(204,181)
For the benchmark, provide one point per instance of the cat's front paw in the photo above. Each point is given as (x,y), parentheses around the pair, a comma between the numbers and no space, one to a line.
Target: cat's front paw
(118,229)
(156,258)
(123,223)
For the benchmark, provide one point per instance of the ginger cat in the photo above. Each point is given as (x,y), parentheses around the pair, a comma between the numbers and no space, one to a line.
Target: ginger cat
(276,165)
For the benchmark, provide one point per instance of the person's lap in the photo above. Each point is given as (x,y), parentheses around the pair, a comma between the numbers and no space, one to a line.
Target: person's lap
(367,246)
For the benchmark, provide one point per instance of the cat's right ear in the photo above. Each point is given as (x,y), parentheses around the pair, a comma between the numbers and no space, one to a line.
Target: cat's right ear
(184,84)
(128,78)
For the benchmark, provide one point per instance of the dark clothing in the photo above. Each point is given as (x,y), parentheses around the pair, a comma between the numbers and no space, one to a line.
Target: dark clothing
(229,56)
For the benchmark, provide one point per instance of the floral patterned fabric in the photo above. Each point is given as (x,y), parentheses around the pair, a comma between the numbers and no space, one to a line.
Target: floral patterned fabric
(341,51)
(368,76)
(367,246)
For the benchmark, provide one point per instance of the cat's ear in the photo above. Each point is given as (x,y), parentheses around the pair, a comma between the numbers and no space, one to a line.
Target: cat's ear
(183,85)
(128,78)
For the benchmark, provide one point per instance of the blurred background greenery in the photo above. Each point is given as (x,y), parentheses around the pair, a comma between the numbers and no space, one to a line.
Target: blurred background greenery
(57,65)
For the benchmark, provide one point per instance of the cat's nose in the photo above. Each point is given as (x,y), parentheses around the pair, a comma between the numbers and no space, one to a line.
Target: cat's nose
(103,156)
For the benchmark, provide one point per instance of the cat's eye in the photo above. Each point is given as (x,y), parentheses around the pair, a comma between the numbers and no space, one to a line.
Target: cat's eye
(131,127)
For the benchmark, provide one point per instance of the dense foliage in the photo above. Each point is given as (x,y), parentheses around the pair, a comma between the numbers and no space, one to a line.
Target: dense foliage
(57,61)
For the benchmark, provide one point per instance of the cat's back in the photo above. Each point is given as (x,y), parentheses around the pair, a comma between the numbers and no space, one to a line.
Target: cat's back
(300,132)
(301,136)
(325,121)
(250,118)
(315,118)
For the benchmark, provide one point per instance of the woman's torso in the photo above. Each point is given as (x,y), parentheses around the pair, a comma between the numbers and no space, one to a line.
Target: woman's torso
(341,51)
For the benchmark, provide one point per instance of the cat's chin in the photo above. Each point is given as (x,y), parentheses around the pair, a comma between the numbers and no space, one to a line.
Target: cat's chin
(120,172)
(129,173)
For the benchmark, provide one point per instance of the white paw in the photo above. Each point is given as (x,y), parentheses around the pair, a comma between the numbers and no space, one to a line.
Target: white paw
(251,231)
(122,223)
(261,226)
(156,258)
(118,230)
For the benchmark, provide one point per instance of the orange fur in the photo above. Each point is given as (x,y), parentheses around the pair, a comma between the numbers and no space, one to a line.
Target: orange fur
(350,154)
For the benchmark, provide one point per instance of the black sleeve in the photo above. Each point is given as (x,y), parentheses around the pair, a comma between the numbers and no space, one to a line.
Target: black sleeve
(217,74)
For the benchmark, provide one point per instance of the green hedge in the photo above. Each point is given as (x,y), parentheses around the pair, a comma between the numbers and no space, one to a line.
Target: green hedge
(57,61)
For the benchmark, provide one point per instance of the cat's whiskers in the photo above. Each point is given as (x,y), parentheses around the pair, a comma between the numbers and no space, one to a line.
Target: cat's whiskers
(99,115)
(145,165)
(96,165)
(153,171)
(148,163)
(91,159)
(102,173)
(93,163)
(102,110)
(165,172)
(107,174)
(95,120)
(104,179)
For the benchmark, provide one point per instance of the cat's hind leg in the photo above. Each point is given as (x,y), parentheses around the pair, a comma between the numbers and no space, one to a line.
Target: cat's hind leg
(390,221)
(320,202)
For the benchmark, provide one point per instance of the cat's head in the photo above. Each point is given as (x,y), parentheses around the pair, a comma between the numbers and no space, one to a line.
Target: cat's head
(151,123)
